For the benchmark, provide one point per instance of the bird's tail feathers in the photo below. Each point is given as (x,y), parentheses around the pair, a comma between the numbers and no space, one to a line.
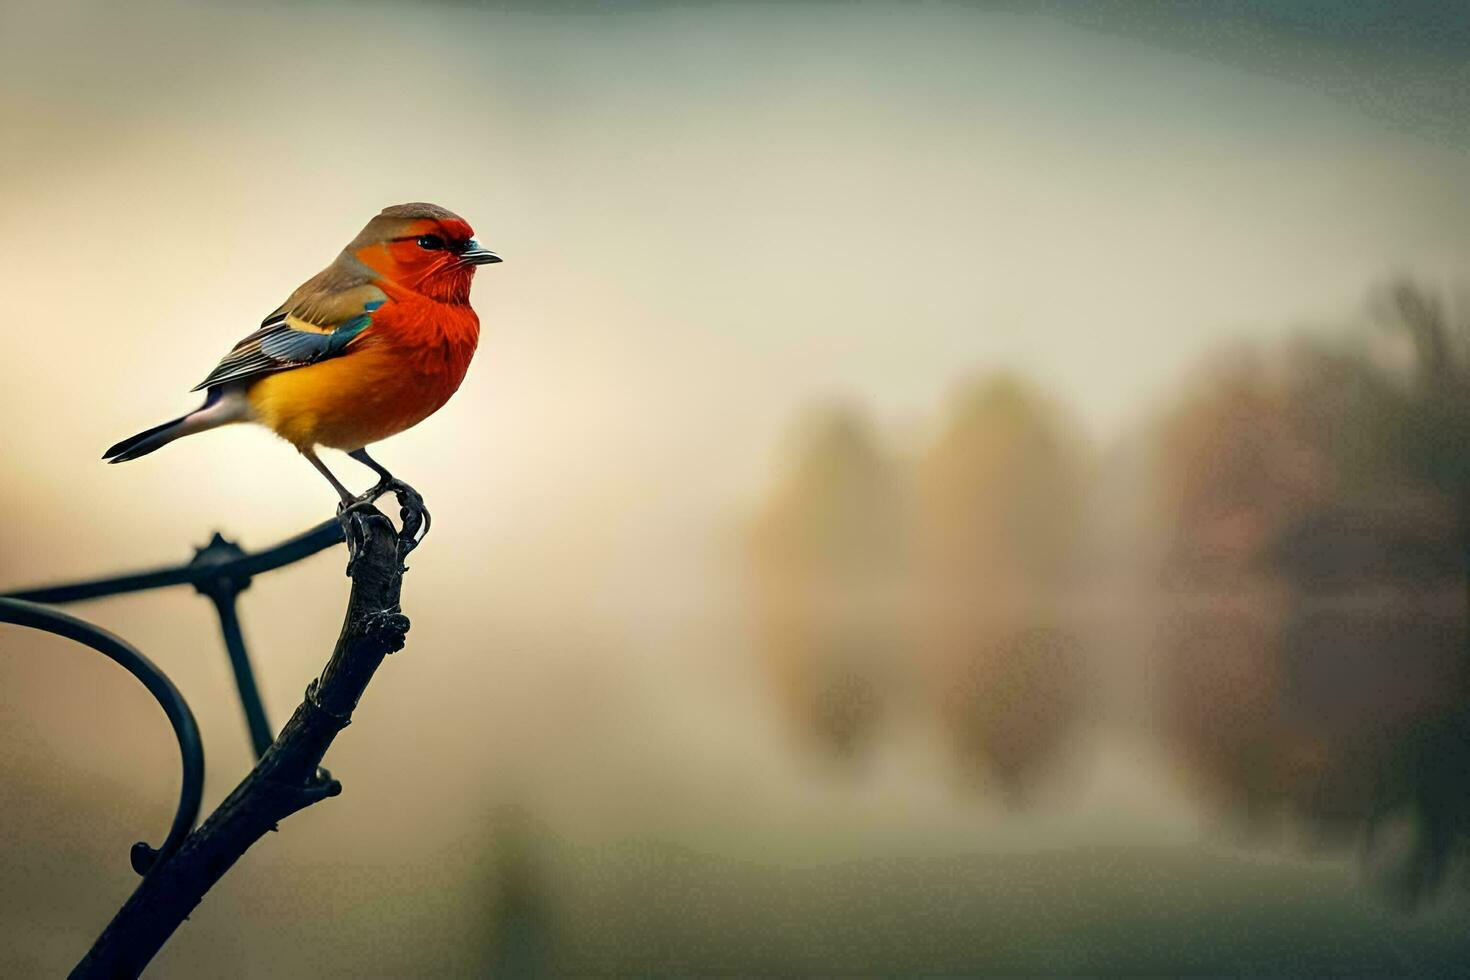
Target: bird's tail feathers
(218,409)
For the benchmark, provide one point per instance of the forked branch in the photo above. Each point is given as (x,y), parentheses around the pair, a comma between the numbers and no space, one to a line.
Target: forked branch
(288,776)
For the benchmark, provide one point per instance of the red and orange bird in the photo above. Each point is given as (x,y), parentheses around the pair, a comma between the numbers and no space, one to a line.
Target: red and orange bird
(370,346)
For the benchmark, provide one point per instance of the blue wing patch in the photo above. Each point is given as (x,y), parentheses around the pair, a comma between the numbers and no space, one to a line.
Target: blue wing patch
(305,347)
(276,347)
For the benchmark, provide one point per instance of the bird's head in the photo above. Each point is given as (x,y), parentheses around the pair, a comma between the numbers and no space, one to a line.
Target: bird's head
(423,248)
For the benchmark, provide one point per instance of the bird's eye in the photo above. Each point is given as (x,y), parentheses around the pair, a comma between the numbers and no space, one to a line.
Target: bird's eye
(431,242)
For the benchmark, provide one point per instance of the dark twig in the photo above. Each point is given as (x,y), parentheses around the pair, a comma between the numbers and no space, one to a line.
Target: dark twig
(319,538)
(223,591)
(221,571)
(288,776)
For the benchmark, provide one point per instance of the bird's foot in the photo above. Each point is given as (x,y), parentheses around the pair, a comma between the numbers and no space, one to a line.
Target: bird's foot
(354,516)
(412,514)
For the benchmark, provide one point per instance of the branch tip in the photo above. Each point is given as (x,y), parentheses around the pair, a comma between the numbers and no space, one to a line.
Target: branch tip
(143,857)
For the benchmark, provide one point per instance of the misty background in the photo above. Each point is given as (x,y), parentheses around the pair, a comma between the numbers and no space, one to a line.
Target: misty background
(943,487)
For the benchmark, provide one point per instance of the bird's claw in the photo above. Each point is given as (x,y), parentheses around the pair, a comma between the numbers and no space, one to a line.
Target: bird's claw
(354,517)
(412,514)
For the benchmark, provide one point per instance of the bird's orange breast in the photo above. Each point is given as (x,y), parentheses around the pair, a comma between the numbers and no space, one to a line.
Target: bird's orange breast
(402,370)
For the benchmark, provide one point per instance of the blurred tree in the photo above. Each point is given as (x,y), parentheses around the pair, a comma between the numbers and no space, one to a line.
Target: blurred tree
(998,523)
(1000,492)
(520,928)
(1419,825)
(1221,689)
(1012,705)
(1431,428)
(1232,473)
(1317,506)
(826,563)
(1425,778)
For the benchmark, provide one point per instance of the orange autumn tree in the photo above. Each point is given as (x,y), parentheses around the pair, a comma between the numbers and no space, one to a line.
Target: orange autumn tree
(826,567)
(999,524)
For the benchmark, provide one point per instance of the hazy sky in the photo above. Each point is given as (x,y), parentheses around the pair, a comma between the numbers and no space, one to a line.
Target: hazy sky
(760,201)
(711,215)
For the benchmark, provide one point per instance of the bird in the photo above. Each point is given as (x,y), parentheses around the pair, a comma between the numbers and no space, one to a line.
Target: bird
(370,346)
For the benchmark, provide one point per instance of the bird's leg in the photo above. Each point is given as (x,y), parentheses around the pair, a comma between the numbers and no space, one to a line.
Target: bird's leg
(384,477)
(411,510)
(315,460)
(349,511)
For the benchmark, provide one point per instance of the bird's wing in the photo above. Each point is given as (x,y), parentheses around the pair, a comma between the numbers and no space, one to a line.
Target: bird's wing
(305,330)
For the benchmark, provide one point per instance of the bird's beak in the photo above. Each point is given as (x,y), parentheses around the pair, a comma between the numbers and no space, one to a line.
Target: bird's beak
(476,254)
